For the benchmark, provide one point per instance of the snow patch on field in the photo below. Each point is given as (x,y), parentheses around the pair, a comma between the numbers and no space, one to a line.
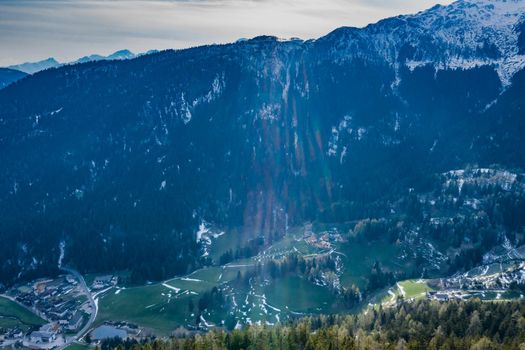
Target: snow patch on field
(177,290)
(190,279)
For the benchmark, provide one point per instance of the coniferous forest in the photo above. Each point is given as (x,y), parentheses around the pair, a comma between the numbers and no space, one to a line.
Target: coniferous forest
(421,325)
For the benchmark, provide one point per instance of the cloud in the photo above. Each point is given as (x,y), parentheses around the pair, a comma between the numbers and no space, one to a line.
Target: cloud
(68,29)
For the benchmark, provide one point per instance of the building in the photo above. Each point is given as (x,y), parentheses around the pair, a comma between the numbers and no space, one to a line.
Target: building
(17,334)
(42,337)
(60,313)
(437,296)
(76,321)
(71,280)
(104,281)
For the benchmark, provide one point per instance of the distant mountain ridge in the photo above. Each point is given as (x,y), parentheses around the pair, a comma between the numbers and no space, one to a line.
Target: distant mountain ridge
(118,55)
(34,67)
(128,157)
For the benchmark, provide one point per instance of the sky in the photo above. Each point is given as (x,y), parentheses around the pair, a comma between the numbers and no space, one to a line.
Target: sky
(32,30)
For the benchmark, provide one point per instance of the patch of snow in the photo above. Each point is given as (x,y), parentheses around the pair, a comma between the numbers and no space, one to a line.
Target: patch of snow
(190,279)
(343,154)
(177,290)
(203,320)
(185,110)
(62,248)
(202,230)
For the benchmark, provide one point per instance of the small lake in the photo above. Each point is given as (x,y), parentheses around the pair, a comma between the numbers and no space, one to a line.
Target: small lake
(107,332)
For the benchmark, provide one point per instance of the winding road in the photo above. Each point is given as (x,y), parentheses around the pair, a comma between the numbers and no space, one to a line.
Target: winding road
(94,307)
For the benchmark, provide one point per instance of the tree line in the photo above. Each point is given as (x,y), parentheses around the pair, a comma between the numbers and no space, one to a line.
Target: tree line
(419,325)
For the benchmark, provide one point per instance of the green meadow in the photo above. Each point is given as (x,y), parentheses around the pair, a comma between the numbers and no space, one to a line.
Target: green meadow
(15,315)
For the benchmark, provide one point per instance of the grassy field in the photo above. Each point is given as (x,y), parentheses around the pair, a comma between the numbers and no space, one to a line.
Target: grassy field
(411,289)
(154,307)
(359,258)
(414,289)
(208,277)
(76,346)
(230,272)
(14,315)
(163,307)
(208,274)
(225,242)
(298,295)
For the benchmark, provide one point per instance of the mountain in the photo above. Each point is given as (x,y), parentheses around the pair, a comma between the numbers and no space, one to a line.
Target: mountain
(33,67)
(8,76)
(122,55)
(465,34)
(125,160)
(118,55)
(89,58)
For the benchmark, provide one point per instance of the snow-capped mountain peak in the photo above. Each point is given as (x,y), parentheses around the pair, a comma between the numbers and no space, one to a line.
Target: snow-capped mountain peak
(464,34)
(476,33)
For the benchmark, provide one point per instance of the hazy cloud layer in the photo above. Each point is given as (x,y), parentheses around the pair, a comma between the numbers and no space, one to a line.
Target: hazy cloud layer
(67,29)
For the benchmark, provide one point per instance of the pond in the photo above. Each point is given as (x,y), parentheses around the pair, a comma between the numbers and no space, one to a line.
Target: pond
(106,332)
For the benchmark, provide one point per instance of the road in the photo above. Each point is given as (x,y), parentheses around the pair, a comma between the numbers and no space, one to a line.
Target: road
(94,307)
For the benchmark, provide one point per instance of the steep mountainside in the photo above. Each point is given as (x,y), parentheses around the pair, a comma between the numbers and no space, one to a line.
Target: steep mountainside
(130,156)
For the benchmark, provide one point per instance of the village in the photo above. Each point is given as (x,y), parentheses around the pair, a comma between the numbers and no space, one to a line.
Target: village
(323,240)
(65,305)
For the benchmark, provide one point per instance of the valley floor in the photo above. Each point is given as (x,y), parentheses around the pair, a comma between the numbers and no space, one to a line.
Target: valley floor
(247,292)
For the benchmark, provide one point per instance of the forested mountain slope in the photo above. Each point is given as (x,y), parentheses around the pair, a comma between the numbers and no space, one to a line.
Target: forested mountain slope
(122,160)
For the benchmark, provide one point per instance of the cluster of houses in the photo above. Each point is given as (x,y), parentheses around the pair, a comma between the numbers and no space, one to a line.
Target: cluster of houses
(46,337)
(59,301)
(443,296)
(47,334)
(102,282)
(11,336)
(323,240)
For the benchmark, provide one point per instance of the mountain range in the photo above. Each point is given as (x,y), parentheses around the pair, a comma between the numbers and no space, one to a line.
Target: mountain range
(8,77)
(124,160)
(13,73)
(34,67)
